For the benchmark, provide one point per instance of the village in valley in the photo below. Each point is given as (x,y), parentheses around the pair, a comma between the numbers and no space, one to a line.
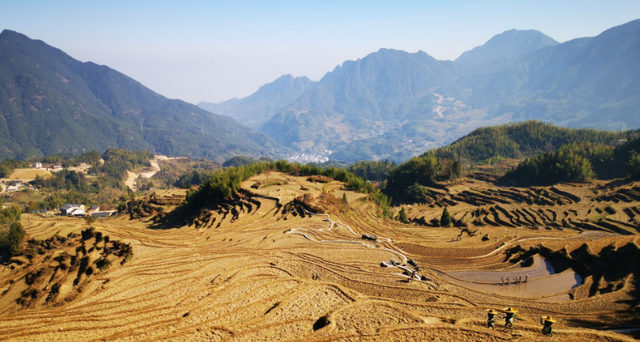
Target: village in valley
(22,181)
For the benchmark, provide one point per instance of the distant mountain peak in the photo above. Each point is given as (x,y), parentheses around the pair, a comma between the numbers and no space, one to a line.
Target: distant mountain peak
(11,32)
(77,106)
(17,37)
(290,78)
(285,77)
(506,45)
(395,51)
(255,109)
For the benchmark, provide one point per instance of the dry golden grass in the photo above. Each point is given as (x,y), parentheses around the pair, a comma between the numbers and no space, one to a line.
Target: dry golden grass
(29,174)
(269,276)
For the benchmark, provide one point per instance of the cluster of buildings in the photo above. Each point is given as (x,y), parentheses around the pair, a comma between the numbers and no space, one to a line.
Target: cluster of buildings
(39,166)
(69,209)
(305,158)
(53,168)
(14,186)
(79,210)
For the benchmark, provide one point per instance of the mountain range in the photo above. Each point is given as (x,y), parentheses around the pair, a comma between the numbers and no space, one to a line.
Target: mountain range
(394,104)
(51,103)
(389,104)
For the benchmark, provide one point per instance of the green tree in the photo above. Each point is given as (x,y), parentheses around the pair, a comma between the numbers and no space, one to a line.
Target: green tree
(344,197)
(238,161)
(456,170)
(402,216)
(571,163)
(31,207)
(11,240)
(634,165)
(445,220)
(16,235)
(90,220)
(372,170)
(417,193)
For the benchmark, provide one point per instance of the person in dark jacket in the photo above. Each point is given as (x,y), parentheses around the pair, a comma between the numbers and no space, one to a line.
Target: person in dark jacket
(491,319)
(510,316)
(547,323)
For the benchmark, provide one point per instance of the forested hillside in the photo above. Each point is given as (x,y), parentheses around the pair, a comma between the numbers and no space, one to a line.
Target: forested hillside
(521,140)
(549,154)
(51,103)
(578,163)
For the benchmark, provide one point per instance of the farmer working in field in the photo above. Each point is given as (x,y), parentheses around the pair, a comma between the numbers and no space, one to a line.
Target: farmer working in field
(547,321)
(491,318)
(509,318)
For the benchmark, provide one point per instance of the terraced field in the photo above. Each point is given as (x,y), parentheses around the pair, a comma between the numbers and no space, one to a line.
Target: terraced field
(289,260)
(578,207)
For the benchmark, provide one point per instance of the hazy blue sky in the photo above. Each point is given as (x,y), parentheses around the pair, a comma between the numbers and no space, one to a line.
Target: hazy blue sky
(212,51)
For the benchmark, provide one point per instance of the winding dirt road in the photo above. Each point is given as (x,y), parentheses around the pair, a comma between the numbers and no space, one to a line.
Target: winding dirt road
(132,177)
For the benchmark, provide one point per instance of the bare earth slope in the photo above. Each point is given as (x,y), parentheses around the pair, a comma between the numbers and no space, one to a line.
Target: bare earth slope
(264,268)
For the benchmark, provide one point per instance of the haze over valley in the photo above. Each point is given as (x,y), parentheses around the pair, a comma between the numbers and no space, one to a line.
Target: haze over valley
(393,104)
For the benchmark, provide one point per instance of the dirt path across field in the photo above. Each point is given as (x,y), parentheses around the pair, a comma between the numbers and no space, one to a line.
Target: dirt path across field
(131,180)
